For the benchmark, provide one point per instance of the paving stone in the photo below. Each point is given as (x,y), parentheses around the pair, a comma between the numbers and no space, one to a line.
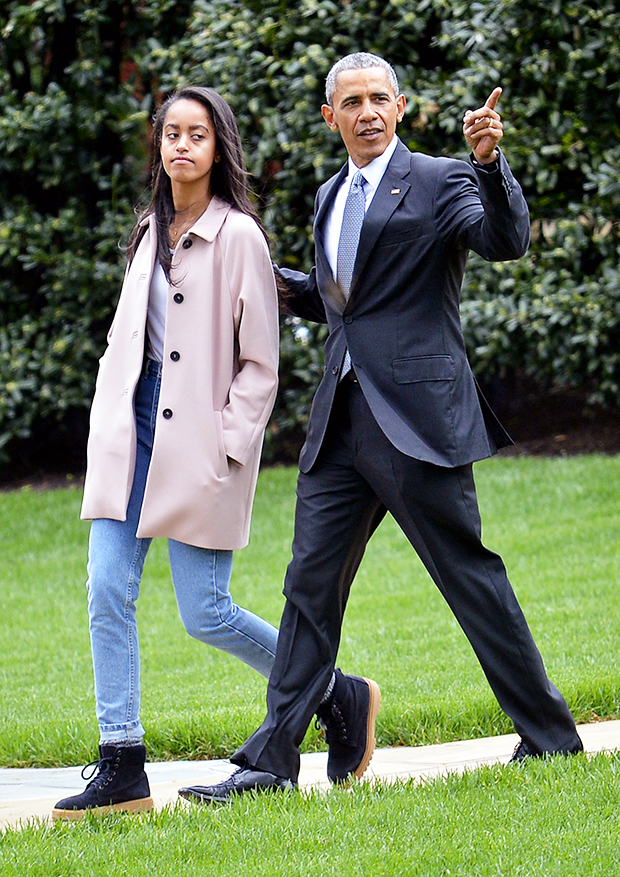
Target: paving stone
(29,794)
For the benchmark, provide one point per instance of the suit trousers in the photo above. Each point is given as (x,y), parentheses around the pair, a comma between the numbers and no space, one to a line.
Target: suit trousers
(358,476)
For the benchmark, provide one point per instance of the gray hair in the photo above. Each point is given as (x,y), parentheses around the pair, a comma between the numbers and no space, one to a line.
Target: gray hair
(357,61)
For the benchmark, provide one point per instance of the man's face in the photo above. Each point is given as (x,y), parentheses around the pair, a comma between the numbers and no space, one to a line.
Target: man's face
(366,111)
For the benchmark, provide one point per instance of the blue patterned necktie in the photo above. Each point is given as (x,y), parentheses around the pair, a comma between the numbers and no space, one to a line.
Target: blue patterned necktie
(352,221)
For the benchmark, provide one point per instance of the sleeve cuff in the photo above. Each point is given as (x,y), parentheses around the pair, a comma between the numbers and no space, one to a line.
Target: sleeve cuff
(489,168)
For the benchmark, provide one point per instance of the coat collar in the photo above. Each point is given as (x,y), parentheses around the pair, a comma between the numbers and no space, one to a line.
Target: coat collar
(206,226)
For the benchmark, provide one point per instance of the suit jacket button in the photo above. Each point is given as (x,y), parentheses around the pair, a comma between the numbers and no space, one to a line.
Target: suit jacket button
(187,243)
(167,412)
(348,318)
(175,356)
(178,297)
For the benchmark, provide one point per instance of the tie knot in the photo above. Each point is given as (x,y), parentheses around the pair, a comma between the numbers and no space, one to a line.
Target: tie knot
(358,179)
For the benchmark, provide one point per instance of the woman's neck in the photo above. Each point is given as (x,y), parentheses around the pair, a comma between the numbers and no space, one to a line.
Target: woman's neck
(188,199)
(187,210)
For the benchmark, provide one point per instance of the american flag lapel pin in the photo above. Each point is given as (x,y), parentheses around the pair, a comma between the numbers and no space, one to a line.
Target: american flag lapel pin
(395,192)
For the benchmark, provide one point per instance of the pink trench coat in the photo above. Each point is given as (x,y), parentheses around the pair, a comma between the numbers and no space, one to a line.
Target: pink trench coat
(218,386)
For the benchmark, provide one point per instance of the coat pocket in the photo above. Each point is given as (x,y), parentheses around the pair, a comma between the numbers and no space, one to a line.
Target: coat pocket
(417,369)
(222,463)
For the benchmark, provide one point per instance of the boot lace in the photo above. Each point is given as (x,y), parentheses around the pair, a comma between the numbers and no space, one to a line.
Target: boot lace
(100,766)
(330,720)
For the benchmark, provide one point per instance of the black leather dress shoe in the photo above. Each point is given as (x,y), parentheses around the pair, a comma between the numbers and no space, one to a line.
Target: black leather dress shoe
(523,751)
(245,779)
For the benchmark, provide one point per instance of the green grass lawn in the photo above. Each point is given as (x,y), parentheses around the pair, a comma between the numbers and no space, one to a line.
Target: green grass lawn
(555,521)
(554,818)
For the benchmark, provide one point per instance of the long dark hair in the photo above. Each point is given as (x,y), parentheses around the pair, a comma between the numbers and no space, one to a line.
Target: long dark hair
(228,176)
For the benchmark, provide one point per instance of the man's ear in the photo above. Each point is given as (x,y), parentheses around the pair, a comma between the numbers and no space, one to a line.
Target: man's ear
(328,114)
(401,102)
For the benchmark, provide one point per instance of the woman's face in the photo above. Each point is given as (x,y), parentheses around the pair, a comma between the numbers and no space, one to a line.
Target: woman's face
(188,144)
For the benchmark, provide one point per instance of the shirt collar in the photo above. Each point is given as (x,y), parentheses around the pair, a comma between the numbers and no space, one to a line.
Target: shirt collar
(373,172)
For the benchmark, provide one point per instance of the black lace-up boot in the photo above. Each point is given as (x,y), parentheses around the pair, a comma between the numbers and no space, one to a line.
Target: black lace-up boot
(348,720)
(120,784)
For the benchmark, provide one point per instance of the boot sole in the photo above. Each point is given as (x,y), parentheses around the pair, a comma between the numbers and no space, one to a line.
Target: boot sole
(374,705)
(139,805)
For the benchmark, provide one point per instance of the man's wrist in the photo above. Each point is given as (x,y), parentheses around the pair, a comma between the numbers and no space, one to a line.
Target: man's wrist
(487,166)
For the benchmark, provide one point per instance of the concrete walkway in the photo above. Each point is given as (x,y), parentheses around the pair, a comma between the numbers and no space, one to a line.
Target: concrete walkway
(30,793)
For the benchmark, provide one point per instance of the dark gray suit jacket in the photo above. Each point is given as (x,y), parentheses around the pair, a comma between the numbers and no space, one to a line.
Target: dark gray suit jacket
(401,322)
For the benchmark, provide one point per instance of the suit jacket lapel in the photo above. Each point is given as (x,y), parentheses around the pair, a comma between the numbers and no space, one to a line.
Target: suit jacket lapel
(392,189)
(329,286)
(327,194)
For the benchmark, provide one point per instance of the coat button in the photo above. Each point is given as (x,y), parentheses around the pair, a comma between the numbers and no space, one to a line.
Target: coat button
(348,318)
(187,243)
(175,356)
(167,412)
(178,297)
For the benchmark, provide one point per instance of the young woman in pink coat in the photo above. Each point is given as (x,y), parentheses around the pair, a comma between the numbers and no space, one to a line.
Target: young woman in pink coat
(183,395)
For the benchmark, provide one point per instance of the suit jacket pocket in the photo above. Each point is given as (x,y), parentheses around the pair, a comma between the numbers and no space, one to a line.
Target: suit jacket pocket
(400,236)
(423,368)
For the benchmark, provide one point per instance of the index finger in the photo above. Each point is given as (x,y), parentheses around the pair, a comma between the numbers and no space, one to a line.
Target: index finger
(493,98)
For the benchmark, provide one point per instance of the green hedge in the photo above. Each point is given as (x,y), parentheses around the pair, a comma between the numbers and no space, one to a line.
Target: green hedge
(78,84)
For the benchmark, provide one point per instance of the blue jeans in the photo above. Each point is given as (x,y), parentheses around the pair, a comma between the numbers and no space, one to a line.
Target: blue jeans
(200,576)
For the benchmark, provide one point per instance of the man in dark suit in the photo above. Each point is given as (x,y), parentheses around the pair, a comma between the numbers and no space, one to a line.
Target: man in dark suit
(396,424)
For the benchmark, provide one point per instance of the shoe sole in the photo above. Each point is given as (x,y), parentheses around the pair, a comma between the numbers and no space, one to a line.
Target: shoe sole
(197,797)
(139,805)
(374,705)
